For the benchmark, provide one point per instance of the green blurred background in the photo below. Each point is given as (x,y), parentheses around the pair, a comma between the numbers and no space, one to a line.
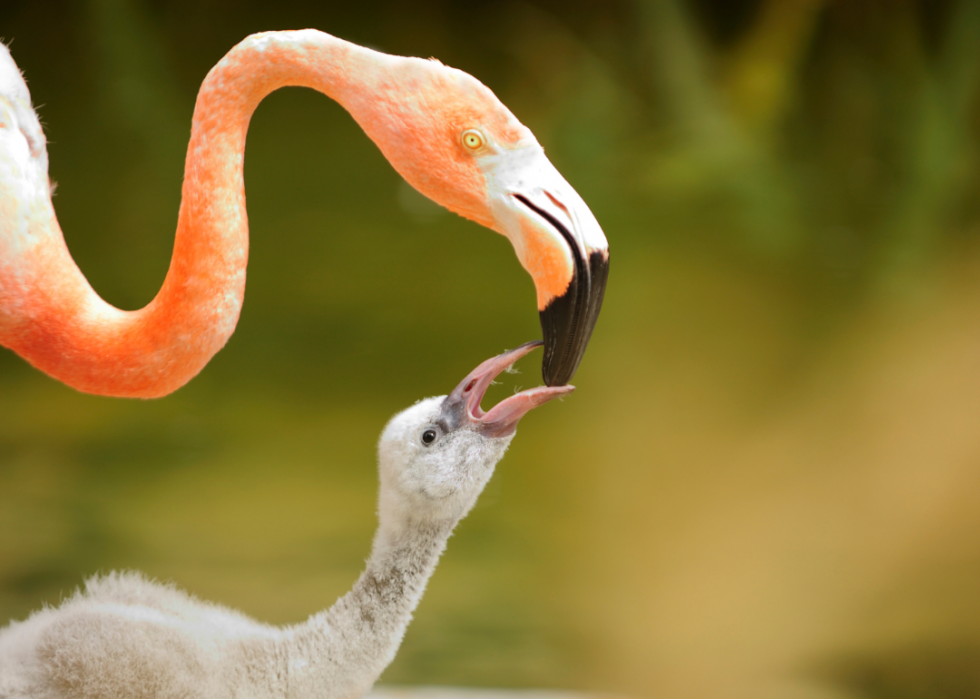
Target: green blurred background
(768,482)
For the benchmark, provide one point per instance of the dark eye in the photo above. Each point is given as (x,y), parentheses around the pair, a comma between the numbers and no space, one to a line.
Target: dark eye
(428,437)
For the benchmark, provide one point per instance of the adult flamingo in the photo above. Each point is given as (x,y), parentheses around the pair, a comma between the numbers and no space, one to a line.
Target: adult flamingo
(442,130)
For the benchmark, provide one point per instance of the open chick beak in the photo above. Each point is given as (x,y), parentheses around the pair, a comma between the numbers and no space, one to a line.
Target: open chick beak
(462,406)
(559,242)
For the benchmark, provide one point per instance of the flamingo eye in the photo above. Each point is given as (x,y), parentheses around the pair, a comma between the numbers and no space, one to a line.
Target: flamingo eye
(428,437)
(473,139)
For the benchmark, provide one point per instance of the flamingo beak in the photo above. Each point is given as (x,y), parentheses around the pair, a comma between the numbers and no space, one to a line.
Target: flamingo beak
(462,406)
(560,243)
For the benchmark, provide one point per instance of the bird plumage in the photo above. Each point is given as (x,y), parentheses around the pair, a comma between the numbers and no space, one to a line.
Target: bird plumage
(415,110)
(124,636)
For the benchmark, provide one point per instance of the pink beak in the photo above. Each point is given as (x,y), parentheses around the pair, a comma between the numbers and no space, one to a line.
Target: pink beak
(462,406)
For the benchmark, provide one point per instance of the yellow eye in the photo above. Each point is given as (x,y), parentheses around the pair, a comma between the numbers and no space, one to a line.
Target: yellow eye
(473,139)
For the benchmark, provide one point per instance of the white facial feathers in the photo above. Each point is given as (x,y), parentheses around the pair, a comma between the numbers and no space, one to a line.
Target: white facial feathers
(437,480)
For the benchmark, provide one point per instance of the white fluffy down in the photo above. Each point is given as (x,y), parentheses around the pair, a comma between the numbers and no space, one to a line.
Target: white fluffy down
(127,636)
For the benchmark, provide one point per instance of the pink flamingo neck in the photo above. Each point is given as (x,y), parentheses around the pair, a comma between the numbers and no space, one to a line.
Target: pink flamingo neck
(51,316)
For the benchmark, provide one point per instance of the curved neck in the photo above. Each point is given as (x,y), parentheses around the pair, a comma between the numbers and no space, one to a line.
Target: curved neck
(51,316)
(347,647)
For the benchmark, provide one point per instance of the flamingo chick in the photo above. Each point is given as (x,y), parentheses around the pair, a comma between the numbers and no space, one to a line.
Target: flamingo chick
(126,636)
(444,131)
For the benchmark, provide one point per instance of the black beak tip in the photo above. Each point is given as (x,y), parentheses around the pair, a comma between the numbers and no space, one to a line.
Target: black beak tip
(567,322)
(557,369)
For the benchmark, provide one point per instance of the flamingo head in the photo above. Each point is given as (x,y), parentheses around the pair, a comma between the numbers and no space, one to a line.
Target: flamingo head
(450,137)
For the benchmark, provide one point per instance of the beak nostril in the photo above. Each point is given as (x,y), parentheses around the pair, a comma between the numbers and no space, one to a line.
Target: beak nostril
(469,386)
(556,202)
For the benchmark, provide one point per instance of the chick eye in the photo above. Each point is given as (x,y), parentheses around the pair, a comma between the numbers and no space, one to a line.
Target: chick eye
(473,139)
(428,437)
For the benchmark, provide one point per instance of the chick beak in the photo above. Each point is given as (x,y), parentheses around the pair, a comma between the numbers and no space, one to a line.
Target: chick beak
(462,406)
